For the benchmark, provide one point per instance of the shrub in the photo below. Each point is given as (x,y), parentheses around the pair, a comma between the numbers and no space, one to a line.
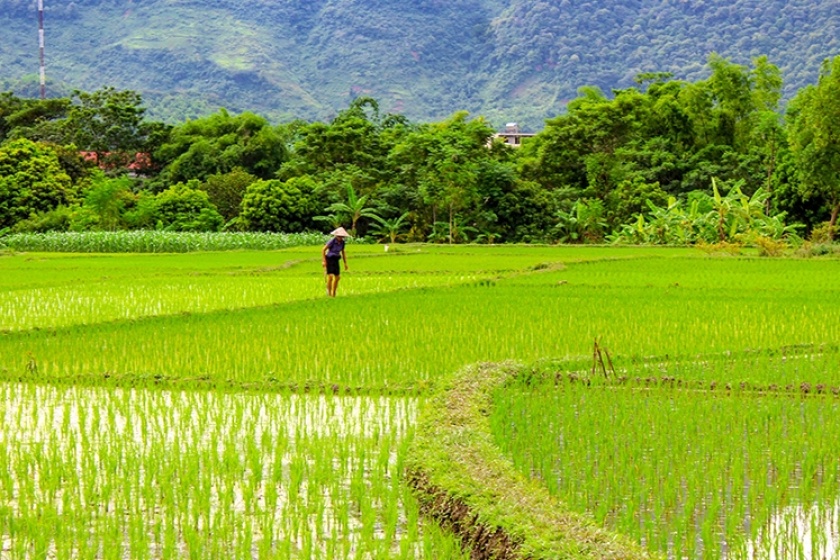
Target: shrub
(823,233)
(186,208)
(279,206)
(769,247)
(226,191)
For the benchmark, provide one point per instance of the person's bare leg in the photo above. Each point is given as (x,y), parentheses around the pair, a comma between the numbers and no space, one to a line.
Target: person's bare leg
(335,285)
(331,285)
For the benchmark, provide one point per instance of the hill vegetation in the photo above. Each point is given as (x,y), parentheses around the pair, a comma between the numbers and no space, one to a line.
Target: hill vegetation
(504,59)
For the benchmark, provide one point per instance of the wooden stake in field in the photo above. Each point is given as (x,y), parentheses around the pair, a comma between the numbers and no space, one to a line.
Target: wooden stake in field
(598,359)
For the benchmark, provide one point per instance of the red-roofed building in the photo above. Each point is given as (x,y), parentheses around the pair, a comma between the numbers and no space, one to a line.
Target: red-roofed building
(140,164)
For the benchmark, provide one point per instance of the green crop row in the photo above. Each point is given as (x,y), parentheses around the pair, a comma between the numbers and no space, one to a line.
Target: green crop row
(150,241)
(49,290)
(408,338)
(691,473)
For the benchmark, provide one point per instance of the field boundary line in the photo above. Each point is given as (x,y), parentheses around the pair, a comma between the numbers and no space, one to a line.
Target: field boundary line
(463,482)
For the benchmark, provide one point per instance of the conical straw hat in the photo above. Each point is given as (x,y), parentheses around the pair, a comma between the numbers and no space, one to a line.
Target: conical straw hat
(340,232)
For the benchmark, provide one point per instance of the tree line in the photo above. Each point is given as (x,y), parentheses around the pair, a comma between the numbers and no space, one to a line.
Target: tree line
(666,161)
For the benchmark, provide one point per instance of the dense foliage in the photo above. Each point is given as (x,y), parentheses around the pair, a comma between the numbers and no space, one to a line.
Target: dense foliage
(711,161)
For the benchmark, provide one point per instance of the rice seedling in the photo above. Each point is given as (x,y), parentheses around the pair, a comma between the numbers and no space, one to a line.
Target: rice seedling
(100,473)
(52,292)
(407,338)
(693,474)
(303,459)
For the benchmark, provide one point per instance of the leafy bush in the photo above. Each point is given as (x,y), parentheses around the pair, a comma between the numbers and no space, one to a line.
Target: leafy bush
(809,249)
(187,208)
(733,219)
(58,219)
(226,191)
(31,181)
(107,200)
(277,206)
(823,233)
(768,247)
(722,247)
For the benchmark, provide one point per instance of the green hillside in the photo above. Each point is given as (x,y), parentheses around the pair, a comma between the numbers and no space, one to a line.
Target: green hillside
(506,59)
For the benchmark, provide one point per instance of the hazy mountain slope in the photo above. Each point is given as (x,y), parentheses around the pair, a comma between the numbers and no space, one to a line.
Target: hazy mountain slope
(507,59)
(428,51)
(546,49)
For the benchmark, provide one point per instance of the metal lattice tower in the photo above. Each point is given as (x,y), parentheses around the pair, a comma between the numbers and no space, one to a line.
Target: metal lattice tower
(41,46)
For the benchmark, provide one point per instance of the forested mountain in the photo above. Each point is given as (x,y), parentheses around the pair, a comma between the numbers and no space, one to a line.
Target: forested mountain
(506,59)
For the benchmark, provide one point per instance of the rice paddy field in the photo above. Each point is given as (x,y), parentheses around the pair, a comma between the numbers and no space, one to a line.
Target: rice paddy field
(218,404)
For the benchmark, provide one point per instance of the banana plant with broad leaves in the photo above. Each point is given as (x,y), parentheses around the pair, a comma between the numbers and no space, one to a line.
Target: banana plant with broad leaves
(733,217)
(389,228)
(355,208)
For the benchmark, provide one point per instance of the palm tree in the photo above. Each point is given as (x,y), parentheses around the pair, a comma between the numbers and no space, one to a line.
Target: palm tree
(355,208)
(389,228)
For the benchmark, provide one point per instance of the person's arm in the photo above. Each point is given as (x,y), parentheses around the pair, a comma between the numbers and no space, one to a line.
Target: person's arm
(324,255)
(344,256)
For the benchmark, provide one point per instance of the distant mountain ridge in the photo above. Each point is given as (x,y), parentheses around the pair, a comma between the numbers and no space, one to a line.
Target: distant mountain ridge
(518,60)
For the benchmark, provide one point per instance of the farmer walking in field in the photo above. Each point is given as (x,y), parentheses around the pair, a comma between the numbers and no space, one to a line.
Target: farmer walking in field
(331,253)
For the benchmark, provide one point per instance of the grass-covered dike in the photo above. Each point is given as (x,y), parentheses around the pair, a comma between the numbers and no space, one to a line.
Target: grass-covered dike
(462,480)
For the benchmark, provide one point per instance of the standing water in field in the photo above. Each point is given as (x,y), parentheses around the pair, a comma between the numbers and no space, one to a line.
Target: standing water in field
(168,474)
(799,533)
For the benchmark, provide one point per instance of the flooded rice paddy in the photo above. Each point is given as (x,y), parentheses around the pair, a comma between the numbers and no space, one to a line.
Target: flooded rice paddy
(122,473)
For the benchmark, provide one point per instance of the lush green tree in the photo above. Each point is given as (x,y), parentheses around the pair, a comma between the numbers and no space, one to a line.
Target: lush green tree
(143,214)
(788,196)
(31,181)
(351,149)
(280,206)
(107,198)
(226,191)
(630,198)
(814,132)
(35,119)
(732,102)
(577,148)
(526,212)
(674,134)
(107,122)
(9,105)
(440,163)
(185,207)
(334,185)
(220,143)
(768,135)
(351,138)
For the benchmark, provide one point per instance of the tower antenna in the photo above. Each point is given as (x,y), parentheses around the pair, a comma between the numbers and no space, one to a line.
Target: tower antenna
(41,45)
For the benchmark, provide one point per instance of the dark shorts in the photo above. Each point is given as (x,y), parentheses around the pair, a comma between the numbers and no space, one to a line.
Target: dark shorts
(333,265)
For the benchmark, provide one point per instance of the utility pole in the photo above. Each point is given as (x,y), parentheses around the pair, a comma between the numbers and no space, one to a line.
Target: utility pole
(41,45)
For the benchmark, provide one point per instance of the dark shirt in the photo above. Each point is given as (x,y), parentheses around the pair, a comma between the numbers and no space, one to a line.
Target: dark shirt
(334,247)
